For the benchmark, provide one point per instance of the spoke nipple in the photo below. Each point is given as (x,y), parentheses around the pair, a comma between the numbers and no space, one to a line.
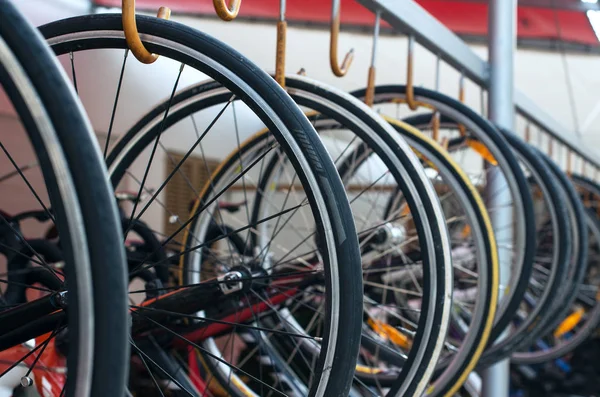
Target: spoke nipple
(173,219)
(26,381)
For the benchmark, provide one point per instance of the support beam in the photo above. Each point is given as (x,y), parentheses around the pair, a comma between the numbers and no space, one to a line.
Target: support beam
(409,17)
(502,22)
(564,5)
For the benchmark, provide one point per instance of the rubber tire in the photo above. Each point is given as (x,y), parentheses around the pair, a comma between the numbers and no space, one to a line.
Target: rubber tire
(503,147)
(294,84)
(98,207)
(320,164)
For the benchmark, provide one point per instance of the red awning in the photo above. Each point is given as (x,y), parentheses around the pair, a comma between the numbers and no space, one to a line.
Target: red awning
(462,17)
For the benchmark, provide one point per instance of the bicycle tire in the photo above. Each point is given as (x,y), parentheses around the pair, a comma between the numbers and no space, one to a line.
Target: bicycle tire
(460,367)
(304,91)
(555,199)
(499,148)
(280,114)
(101,236)
(576,270)
(552,352)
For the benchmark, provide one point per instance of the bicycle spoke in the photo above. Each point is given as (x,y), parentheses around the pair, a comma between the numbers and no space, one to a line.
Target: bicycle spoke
(115,103)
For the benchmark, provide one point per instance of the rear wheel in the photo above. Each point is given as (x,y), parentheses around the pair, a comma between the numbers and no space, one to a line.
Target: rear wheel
(203,308)
(367,175)
(486,156)
(583,316)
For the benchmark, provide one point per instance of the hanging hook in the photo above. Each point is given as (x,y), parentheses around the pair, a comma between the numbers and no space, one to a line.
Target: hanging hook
(227,12)
(483,108)
(132,37)
(461,97)
(338,70)
(370,94)
(528,132)
(569,162)
(445,143)
(281,41)
(435,127)
(410,94)
(435,133)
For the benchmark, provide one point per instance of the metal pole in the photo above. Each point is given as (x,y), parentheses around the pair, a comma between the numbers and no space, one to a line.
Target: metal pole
(501,110)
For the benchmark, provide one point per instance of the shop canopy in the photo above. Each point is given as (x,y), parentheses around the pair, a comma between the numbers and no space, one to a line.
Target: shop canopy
(563,20)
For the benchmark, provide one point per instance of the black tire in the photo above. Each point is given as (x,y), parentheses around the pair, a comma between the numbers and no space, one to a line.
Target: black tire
(556,347)
(575,273)
(499,147)
(297,86)
(456,370)
(304,92)
(556,197)
(280,114)
(88,173)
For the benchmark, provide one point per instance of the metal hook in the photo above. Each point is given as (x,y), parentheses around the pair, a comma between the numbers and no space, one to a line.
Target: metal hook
(483,108)
(370,94)
(410,94)
(132,37)
(569,162)
(445,142)
(281,42)
(528,132)
(461,97)
(550,147)
(435,133)
(338,70)
(227,12)
(435,127)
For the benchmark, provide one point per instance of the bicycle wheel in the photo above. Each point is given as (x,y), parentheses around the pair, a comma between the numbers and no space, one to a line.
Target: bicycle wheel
(363,173)
(177,310)
(575,272)
(68,186)
(488,157)
(581,318)
(553,252)
(475,263)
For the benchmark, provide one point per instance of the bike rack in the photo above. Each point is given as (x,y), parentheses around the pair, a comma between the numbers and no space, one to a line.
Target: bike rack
(504,103)
(408,17)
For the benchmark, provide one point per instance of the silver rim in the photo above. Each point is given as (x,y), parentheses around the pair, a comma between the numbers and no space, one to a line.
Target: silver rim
(328,361)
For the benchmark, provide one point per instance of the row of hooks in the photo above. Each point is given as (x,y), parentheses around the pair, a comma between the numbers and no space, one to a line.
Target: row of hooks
(225,11)
(228,10)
